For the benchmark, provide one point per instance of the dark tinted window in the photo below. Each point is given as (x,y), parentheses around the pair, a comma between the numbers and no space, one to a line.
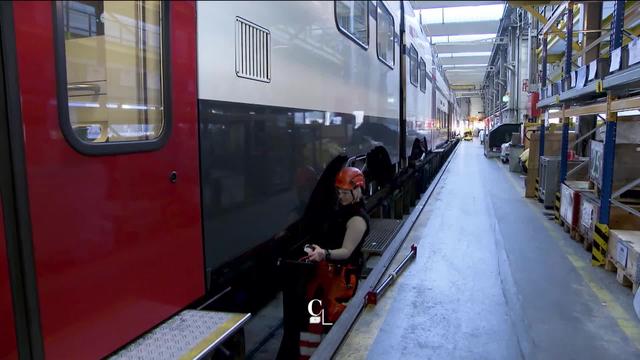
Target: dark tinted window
(413,65)
(385,30)
(423,76)
(114,70)
(353,20)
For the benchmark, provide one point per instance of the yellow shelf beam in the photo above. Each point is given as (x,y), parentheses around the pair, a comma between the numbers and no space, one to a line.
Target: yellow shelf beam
(592,109)
(618,105)
(626,104)
(549,24)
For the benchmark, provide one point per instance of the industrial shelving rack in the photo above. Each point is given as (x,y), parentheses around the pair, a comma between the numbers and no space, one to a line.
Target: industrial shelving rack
(608,95)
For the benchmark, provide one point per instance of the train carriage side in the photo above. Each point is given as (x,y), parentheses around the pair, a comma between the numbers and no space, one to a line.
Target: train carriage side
(429,104)
(283,87)
(191,140)
(418,85)
(443,109)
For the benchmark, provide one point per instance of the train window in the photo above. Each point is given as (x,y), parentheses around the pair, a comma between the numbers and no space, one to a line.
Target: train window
(352,18)
(385,29)
(423,75)
(111,75)
(413,65)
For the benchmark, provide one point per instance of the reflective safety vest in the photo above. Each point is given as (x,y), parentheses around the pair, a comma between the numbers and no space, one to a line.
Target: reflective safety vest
(333,285)
(310,340)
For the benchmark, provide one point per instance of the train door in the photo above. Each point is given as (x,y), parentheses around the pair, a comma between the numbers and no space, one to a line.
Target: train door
(8,345)
(108,103)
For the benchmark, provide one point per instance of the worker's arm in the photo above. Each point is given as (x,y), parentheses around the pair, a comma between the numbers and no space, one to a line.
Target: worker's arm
(356,227)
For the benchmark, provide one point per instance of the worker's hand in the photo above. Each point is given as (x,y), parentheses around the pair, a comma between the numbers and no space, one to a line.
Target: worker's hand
(317,254)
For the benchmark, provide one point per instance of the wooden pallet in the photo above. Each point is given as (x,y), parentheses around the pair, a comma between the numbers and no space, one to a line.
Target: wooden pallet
(578,237)
(586,241)
(575,235)
(622,277)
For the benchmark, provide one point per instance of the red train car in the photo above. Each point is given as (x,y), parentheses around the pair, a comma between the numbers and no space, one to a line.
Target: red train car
(155,154)
(113,225)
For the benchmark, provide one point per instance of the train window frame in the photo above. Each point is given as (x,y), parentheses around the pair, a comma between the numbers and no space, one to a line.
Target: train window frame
(422,74)
(346,33)
(118,147)
(410,54)
(381,9)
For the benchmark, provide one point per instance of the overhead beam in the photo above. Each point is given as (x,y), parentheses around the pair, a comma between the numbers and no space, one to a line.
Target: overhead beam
(464,60)
(471,76)
(556,33)
(465,78)
(556,15)
(529,3)
(462,87)
(469,83)
(466,82)
(417,5)
(465,67)
(463,47)
(535,13)
(465,28)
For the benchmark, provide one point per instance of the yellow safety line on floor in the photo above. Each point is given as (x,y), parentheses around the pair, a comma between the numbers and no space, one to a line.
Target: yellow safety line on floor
(359,345)
(622,318)
(234,319)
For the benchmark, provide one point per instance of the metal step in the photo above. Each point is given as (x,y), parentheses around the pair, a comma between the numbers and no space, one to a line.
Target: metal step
(191,334)
(380,234)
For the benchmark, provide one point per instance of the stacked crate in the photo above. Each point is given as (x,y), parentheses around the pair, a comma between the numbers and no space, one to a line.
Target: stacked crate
(570,197)
(624,257)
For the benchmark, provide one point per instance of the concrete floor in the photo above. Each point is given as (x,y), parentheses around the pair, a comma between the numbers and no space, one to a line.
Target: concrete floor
(495,279)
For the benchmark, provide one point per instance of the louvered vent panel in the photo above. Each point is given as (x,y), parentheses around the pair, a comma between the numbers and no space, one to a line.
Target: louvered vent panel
(253,51)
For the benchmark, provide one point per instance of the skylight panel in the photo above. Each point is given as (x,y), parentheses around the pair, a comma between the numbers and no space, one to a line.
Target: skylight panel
(472,37)
(431,16)
(439,39)
(473,13)
(465,54)
(464,65)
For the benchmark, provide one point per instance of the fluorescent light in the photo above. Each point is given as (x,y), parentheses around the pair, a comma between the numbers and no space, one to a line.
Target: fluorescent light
(471,37)
(464,65)
(462,70)
(629,113)
(431,16)
(83,104)
(445,39)
(462,14)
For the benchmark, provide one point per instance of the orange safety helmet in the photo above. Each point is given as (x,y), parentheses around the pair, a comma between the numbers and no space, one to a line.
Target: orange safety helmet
(350,178)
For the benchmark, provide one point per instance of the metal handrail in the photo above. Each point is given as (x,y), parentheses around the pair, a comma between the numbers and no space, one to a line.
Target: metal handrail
(575,169)
(627,187)
(578,140)
(84,87)
(625,207)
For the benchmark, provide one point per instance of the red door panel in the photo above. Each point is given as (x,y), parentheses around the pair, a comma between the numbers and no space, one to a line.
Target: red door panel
(117,246)
(8,349)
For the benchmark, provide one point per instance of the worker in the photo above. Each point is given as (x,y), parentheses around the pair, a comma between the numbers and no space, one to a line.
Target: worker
(338,257)
(524,160)
(350,224)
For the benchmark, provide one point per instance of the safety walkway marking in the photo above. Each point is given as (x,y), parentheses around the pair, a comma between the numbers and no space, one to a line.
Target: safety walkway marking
(357,347)
(622,317)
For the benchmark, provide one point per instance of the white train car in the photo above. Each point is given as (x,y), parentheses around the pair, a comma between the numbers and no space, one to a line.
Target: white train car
(283,87)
